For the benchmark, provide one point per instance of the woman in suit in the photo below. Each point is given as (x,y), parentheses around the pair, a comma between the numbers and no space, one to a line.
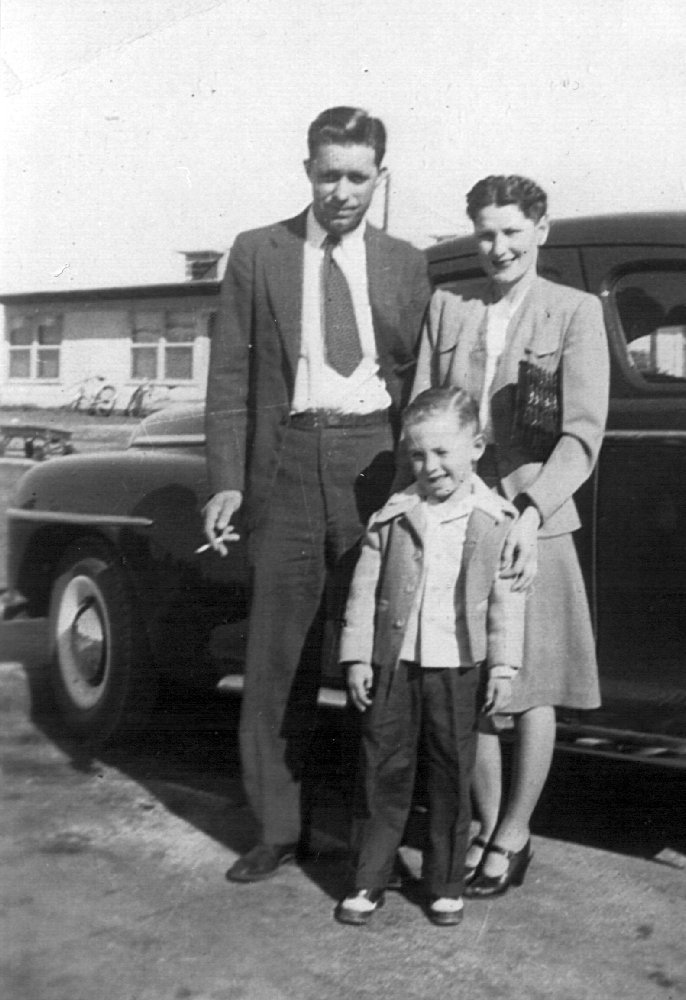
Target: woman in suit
(476,337)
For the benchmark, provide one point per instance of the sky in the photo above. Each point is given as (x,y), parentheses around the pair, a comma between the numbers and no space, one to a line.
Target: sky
(135,130)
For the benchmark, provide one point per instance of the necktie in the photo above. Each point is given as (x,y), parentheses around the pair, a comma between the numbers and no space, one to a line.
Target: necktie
(341,337)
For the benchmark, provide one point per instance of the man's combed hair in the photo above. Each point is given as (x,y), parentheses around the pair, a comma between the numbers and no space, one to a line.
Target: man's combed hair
(345,126)
(433,402)
(500,190)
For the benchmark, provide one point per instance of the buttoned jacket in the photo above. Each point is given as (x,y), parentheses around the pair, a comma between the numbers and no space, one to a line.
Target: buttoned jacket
(255,348)
(390,570)
(555,327)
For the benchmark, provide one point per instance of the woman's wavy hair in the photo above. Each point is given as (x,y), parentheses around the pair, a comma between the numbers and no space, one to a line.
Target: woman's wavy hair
(500,190)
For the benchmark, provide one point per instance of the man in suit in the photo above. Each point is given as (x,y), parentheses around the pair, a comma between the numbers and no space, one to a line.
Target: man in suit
(308,372)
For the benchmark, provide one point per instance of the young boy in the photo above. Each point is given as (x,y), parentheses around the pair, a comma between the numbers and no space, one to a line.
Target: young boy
(426,609)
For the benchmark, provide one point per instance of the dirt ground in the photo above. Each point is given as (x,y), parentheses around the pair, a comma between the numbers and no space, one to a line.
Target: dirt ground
(112,877)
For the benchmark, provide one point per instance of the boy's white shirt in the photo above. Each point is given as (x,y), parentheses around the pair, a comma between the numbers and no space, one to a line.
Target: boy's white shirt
(435,635)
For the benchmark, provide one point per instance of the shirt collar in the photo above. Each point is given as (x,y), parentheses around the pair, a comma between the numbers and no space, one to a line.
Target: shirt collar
(451,509)
(316,234)
(508,307)
(480,497)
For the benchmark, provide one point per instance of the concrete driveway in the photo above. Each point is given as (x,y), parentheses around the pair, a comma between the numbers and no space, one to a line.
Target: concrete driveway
(112,877)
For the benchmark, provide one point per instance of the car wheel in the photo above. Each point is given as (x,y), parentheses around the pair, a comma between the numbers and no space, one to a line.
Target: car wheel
(101,672)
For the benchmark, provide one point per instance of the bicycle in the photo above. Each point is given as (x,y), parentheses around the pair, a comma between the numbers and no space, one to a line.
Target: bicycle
(94,396)
(146,397)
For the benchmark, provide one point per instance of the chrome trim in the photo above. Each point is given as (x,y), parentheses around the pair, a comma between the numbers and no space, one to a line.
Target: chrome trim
(600,734)
(168,441)
(595,741)
(644,435)
(62,517)
(327,697)
(198,440)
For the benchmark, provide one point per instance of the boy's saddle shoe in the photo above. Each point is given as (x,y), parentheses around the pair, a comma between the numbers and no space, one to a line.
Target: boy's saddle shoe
(445,911)
(359,907)
(263,861)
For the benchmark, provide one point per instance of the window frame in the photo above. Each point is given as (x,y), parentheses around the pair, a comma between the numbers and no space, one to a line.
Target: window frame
(629,371)
(163,346)
(38,353)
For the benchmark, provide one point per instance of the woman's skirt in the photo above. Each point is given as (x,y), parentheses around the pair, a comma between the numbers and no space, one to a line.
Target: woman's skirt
(559,664)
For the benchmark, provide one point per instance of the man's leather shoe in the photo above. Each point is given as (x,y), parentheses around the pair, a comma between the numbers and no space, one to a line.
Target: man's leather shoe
(347,913)
(263,861)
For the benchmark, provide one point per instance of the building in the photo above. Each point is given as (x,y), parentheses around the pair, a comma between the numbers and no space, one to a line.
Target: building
(53,341)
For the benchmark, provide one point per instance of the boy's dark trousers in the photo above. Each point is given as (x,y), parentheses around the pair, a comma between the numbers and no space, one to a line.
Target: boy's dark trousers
(441,704)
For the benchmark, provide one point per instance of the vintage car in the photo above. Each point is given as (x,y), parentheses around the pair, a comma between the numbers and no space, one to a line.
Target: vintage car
(106,545)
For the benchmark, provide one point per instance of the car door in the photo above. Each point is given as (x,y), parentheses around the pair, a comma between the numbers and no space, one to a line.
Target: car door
(640,551)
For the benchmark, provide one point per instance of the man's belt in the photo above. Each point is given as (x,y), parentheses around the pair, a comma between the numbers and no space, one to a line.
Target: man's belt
(316,419)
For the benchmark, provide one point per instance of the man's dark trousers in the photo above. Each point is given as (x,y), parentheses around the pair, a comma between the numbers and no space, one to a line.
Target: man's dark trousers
(329,481)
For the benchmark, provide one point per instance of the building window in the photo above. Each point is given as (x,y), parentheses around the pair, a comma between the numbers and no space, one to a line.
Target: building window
(34,347)
(651,305)
(162,345)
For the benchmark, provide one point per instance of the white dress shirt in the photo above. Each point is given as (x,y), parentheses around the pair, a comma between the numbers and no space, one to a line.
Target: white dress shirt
(318,386)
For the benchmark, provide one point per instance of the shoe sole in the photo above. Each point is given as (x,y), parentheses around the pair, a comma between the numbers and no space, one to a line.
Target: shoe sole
(288,859)
(356,918)
(445,919)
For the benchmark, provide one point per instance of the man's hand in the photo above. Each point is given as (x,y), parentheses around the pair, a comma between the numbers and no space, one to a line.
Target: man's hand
(360,681)
(498,694)
(519,558)
(218,512)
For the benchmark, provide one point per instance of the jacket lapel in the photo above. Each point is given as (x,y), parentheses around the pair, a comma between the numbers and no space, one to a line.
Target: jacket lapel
(381,279)
(284,279)
(472,362)
(531,327)
(416,522)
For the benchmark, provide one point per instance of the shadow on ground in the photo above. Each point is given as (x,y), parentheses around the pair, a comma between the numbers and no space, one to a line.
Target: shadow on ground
(188,760)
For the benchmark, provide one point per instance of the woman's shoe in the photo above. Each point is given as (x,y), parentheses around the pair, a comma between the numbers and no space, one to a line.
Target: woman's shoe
(484,886)
(469,871)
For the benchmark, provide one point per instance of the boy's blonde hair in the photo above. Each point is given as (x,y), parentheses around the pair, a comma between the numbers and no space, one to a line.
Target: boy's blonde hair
(432,402)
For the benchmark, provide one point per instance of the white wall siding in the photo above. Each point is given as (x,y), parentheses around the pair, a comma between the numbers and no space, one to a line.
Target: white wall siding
(96,341)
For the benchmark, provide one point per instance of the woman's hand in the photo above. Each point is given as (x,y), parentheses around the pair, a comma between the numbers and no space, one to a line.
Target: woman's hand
(519,558)
(360,681)
(498,695)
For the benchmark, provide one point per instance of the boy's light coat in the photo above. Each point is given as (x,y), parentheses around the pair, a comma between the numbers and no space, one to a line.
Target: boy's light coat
(389,571)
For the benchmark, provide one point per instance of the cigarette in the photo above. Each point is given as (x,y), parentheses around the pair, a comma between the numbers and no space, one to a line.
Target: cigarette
(202,548)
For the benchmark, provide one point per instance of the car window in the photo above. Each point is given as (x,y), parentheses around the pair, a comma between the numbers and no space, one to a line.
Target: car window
(651,306)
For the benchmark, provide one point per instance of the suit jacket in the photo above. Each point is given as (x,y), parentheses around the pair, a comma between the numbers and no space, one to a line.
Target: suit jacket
(555,327)
(389,571)
(254,352)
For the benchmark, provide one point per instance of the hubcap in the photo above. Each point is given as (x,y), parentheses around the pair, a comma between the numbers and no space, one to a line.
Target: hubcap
(83,641)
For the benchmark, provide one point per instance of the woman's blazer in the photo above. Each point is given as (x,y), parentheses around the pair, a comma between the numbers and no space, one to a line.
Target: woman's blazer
(554,327)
